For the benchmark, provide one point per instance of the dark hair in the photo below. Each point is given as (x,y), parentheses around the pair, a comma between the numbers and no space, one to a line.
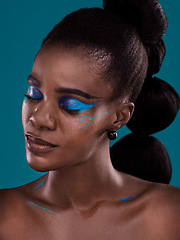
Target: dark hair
(125,40)
(110,40)
(142,156)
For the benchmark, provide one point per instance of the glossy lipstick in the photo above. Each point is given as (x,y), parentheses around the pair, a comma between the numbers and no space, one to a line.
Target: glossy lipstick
(38,145)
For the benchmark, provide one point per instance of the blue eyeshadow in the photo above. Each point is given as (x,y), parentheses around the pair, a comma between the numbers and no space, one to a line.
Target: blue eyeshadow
(73,104)
(34,92)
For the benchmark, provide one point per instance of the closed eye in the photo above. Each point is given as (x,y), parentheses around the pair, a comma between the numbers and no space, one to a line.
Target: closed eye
(73,105)
(33,93)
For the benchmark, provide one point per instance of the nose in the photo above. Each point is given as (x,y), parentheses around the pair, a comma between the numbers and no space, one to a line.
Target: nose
(43,117)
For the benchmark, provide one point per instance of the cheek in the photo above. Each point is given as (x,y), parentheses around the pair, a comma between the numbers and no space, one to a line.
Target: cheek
(92,122)
(25,112)
(82,129)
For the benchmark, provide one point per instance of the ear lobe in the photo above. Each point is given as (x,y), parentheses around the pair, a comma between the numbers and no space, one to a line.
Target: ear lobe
(124,114)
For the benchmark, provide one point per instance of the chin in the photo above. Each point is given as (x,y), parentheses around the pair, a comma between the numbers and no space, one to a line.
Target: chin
(37,163)
(40,163)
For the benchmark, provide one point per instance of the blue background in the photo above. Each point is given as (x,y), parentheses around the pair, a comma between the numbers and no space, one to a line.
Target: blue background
(24,24)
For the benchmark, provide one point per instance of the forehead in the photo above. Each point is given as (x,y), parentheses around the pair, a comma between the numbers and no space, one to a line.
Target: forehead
(57,66)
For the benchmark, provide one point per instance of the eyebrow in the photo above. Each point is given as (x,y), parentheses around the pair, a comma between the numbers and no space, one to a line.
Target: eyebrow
(64,89)
(34,81)
(76,92)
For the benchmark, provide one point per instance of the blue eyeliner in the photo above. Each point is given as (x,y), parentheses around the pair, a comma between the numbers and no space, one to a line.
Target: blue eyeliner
(74,105)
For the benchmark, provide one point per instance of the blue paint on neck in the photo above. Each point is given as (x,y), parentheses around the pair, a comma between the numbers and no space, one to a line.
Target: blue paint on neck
(40,184)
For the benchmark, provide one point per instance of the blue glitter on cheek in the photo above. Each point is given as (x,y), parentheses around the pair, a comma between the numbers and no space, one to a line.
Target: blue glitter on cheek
(91,118)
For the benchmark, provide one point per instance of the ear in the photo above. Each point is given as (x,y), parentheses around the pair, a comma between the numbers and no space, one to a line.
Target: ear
(123,114)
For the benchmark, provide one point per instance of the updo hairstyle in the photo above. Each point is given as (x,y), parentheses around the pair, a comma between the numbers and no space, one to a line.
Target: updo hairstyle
(125,40)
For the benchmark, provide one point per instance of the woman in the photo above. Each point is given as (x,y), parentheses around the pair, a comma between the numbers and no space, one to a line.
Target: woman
(85,80)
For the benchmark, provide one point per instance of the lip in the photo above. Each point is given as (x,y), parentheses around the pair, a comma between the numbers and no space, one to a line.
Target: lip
(38,145)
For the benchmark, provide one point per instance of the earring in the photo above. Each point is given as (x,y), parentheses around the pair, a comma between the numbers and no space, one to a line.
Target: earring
(112,135)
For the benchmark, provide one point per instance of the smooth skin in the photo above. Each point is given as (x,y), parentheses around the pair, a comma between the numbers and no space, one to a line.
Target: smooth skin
(82,190)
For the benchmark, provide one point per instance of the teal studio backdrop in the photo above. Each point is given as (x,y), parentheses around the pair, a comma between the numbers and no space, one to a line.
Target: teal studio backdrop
(24,24)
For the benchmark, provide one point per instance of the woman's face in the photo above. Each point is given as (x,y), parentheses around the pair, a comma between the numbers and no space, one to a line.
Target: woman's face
(66,106)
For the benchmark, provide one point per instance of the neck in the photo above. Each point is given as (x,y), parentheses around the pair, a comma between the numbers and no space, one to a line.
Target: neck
(83,185)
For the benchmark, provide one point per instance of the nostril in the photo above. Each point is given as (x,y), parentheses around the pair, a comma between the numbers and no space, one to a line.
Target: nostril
(43,116)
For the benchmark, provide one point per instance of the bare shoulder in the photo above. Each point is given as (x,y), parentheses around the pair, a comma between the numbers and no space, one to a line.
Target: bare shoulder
(163,211)
(6,199)
(15,212)
(9,203)
(166,196)
(12,214)
(12,199)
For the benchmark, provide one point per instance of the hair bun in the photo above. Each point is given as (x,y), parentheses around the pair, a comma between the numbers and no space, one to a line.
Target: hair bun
(156,53)
(147,16)
(155,107)
(143,157)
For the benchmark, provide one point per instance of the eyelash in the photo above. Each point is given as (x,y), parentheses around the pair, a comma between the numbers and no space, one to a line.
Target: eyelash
(34,94)
(73,112)
(63,105)
(70,111)
(32,99)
